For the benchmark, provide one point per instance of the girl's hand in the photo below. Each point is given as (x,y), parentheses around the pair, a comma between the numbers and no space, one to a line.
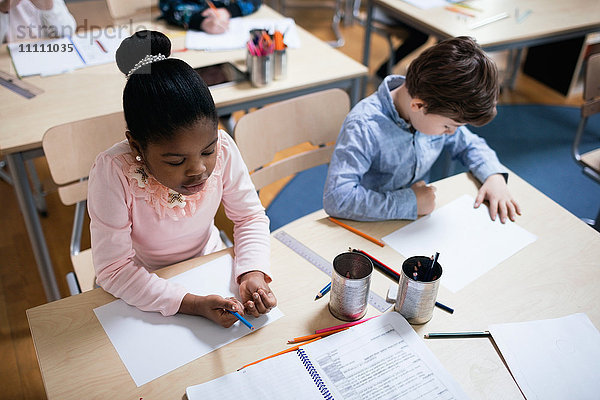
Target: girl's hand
(256,294)
(216,21)
(495,190)
(213,307)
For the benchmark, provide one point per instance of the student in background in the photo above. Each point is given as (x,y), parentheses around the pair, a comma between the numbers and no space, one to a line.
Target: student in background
(205,15)
(390,140)
(153,197)
(32,19)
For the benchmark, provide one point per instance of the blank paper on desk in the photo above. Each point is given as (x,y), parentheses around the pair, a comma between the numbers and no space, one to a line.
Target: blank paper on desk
(151,345)
(553,358)
(238,34)
(469,242)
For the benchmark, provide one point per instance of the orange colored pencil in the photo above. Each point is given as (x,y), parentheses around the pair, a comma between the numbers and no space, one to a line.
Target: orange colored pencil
(211,5)
(459,11)
(314,335)
(351,229)
(281,352)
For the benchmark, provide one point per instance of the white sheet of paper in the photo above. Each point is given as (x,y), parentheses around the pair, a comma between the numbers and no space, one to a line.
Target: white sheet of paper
(66,54)
(553,358)
(383,358)
(238,34)
(151,345)
(29,62)
(469,242)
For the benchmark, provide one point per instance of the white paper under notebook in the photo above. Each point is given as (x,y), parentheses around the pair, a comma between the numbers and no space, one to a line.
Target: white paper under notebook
(469,242)
(382,358)
(552,359)
(151,345)
(57,56)
(239,33)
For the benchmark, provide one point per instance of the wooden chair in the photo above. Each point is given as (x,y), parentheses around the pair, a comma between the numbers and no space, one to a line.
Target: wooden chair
(590,161)
(70,151)
(315,118)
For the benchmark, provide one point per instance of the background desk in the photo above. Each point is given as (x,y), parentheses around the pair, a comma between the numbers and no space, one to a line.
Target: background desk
(550,20)
(77,360)
(95,91)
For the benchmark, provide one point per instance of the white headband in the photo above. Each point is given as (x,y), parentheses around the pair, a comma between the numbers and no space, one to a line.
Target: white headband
(149,59)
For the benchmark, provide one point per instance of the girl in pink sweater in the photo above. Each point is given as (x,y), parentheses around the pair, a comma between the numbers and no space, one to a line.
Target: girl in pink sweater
(152,198)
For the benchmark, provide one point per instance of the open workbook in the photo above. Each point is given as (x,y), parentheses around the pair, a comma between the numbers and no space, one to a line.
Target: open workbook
(382,358)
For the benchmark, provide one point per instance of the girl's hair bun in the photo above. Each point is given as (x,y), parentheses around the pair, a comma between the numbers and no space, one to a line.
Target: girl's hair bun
(139,45)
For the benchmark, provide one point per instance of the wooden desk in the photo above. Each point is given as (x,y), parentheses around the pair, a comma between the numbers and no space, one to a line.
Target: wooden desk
(77,359)
(550,20)
(95,91)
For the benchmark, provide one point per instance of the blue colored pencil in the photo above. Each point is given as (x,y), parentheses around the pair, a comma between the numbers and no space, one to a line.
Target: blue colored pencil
(444,307)
(242,319)
(323,291)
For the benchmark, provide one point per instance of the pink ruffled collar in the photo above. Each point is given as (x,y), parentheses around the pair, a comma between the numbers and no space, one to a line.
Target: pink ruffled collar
(165,201)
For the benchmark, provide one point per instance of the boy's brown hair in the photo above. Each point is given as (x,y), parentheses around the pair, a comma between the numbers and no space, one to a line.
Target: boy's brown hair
(455,79)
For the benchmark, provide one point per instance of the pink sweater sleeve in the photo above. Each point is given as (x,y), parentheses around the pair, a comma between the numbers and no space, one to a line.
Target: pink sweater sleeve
(116,272)
(251,236)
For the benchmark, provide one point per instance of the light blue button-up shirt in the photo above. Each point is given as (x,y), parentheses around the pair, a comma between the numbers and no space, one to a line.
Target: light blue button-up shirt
(377,158)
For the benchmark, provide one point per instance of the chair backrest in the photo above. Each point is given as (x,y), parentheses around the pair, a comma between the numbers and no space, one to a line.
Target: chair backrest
(591,88)
(120,9)
(71,149)
(315,118)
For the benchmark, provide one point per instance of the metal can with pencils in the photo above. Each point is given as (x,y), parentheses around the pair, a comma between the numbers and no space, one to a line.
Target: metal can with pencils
(279,64)
(417,289)
(261,70)
(350,283)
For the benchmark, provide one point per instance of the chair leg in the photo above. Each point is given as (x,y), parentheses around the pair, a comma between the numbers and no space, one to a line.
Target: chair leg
(38,190)
(73,284)
(3,174)
(335,25)
(390,63)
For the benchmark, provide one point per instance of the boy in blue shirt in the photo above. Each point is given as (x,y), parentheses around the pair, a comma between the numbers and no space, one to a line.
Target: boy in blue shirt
(390,140)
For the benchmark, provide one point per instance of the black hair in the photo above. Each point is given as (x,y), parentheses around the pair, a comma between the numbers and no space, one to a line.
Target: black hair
(162,96)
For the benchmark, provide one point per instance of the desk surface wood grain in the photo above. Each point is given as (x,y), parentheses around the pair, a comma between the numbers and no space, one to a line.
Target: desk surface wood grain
(552,277)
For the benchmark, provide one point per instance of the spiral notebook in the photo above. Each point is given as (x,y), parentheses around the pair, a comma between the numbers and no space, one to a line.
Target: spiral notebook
(382,358)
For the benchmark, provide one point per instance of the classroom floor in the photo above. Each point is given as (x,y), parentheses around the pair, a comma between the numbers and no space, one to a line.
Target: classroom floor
(20,285)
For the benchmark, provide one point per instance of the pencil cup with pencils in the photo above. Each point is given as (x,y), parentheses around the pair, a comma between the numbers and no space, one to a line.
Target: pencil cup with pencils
(350,282)
(261,70)
(266,59)
(418,288)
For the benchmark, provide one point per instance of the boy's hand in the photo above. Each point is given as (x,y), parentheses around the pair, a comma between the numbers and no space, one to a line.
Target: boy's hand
(213,307)
(425,197)
(495,191)
(216,21)
(256,294)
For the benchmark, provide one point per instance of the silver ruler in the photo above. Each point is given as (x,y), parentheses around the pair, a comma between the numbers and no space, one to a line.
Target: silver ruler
(325,266)
(18,86)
